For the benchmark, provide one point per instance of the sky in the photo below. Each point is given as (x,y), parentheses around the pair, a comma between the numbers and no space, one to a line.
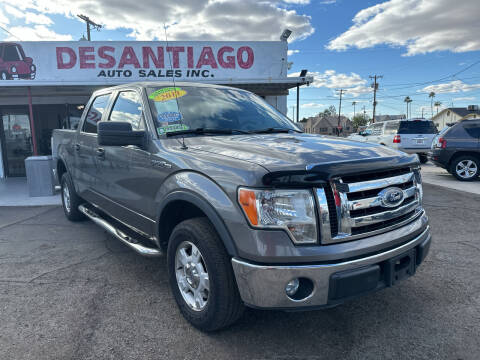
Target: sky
(417,46)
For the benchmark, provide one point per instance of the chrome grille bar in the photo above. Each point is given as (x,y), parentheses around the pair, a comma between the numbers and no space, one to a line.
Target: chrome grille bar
(380,183)
(376,201)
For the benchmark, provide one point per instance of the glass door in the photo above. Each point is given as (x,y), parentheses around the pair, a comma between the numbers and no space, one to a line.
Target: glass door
(17,141)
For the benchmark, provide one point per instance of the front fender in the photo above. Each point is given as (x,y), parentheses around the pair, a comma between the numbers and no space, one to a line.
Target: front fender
(205,194)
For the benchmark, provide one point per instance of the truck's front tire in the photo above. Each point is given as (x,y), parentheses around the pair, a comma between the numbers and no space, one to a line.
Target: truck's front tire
(201,276)
(70,199)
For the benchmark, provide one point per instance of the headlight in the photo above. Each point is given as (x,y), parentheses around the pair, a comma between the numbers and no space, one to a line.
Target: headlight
(13,69)
(291,210)
(32,68)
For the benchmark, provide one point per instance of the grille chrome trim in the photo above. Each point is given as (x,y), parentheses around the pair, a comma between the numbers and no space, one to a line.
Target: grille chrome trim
(356,226)
(380,183)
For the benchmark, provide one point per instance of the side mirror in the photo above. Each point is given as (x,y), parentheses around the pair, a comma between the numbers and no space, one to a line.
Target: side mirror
(28,60)
(119,133)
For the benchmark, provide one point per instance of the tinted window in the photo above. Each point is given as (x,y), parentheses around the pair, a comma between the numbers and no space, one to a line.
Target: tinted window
(391,127)
(472,128)
(95,114)
(128,108)
(214,108)
(12,53)
(417,127)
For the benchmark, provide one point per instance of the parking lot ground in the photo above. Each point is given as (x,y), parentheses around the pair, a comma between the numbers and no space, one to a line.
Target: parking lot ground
(435,175)
(70,291)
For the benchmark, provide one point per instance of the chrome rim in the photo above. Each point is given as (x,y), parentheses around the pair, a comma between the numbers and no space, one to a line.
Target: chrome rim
(192,276)
(466,169)
(66,197)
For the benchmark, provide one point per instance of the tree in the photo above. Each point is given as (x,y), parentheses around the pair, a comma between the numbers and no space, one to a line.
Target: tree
(437,104)
(431,96)
(359,120)
(408,101)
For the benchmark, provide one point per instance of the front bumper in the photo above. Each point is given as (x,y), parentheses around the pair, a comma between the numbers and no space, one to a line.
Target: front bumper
(263,286)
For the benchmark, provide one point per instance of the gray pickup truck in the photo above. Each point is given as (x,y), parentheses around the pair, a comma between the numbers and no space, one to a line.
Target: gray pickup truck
(247,208)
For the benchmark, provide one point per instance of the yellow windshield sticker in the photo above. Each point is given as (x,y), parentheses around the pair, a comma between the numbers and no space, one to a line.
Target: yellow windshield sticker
(166,94)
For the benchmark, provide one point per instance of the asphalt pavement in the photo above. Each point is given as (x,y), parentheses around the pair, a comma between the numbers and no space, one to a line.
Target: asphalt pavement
(71,291)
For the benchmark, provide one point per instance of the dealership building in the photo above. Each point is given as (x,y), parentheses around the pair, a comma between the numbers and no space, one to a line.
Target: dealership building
(45,85)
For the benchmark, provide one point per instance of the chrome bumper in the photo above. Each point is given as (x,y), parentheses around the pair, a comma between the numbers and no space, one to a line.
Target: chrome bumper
(263,286)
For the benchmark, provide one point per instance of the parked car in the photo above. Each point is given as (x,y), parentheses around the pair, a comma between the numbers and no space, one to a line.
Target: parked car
(413,136)
(435,142)
(458,150)
(249,210)
(14,64)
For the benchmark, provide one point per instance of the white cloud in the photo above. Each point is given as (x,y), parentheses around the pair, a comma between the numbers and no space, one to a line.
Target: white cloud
(454,86)
(3,18)
(422,26)
(186,20)
(465,98)
(353,83)
(301,2)
(291,52)
(328,2)
(36,33)
(312,105)
(28,17)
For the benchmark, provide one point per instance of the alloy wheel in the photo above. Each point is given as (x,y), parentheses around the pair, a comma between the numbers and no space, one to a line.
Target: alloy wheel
(466,169)
(192,276)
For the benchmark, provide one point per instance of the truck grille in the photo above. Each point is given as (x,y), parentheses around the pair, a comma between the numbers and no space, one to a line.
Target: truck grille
(356,206)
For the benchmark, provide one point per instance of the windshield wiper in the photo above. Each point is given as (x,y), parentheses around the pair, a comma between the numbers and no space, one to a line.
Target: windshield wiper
(201,131)
(272,130)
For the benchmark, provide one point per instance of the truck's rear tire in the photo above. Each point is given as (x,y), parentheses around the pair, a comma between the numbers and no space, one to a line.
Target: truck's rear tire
(70,199)
(423,158)
(201,276)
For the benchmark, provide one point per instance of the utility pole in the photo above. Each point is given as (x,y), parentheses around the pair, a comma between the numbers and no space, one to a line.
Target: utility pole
(293,113)
(340,92)
(354,103)
(375,88)
(89,22)
(364,113)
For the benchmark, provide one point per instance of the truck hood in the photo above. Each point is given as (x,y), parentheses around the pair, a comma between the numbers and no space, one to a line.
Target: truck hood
(280,152)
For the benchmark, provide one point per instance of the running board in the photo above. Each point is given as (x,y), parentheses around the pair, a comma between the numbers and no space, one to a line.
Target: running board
(126,239)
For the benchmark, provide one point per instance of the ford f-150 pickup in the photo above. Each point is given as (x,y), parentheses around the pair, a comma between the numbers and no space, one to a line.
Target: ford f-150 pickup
(248,209)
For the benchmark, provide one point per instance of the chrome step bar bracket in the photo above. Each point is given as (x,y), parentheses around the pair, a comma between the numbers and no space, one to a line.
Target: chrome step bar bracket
(120,235)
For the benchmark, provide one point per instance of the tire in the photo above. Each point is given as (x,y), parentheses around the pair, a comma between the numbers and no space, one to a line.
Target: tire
(4,76)
(220,305)
(70,199)
(465,167)
(423,158)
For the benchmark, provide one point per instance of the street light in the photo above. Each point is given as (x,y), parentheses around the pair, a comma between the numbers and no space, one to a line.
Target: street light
(285,35)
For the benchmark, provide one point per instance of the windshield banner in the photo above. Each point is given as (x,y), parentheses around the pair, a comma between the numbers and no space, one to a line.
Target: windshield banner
(111,62)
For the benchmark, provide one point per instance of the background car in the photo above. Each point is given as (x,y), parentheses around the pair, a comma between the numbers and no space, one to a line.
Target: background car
(458,150)
(413,136)
(439,135)
(14,64)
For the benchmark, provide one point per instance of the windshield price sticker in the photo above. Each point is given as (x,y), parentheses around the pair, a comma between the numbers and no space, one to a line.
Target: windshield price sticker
(169,116)
(167,94)
(171,128)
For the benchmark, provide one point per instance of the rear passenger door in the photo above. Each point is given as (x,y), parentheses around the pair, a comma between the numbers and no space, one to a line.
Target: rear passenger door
(86,168)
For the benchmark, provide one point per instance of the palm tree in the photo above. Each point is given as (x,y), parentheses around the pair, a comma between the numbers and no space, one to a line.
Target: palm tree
(437,104)
(408,101)
(431,96)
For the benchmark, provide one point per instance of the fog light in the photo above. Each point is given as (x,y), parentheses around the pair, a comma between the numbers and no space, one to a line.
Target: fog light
(292,287)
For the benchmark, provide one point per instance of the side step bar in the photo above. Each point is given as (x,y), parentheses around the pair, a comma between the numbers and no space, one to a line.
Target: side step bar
(126,239)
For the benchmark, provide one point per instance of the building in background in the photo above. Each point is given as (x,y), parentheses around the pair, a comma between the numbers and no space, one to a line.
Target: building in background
(379,118)
(328,125)
(45,85)
(455,114)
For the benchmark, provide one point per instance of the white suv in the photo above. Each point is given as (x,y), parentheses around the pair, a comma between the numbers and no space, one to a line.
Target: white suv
(413,136)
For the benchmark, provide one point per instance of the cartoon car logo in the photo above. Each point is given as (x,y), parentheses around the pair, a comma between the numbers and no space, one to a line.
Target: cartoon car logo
(14,64)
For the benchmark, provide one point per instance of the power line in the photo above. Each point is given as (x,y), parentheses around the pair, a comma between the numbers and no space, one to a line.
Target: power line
(89,22)
(8,32)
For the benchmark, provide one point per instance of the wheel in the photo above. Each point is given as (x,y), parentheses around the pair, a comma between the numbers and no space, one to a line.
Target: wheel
(423,158)
(70,199)
(4,76)
(201,276)
(465,167)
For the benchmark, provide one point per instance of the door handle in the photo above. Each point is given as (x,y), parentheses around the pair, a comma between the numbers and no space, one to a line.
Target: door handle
(100,152)
(77,147)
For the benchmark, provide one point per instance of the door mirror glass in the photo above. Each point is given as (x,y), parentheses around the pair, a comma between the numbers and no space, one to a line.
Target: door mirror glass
(119,133)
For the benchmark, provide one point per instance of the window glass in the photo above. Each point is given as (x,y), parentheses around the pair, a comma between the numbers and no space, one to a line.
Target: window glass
(212,108)
(128,108)
(472,128)
(377,129)
(12,53)
(391,127)
(95,113)
(417,127)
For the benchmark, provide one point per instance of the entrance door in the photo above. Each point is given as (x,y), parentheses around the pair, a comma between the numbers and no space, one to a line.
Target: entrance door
(16,141)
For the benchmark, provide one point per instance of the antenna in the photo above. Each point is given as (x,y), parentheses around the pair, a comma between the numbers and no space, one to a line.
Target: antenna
(184,147)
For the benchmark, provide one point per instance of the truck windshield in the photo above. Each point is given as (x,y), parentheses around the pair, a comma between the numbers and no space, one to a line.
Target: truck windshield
(212,108)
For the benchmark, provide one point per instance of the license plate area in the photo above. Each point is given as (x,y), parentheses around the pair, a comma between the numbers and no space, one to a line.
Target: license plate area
(400,267)
(420,141)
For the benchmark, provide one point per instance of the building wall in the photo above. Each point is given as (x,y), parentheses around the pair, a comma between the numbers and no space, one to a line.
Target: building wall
(444,117)
(278,102)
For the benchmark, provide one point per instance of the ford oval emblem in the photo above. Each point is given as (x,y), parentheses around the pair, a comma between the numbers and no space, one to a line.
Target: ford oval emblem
(391,197)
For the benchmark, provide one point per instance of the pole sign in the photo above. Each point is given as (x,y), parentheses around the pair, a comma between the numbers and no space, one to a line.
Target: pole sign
(92,63)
